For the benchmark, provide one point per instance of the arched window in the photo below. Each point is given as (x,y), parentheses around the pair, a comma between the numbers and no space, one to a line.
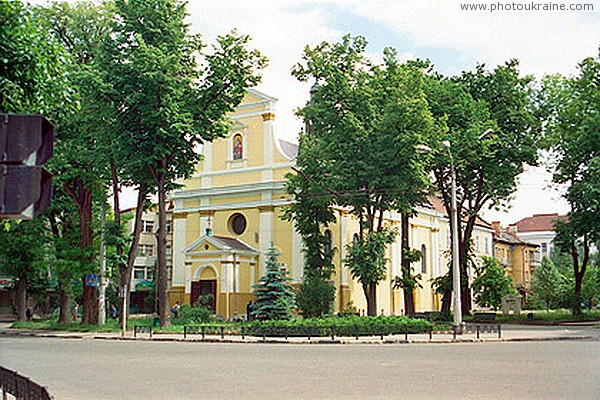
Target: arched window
(423,259)
(328,242)
(238,147)
(355,238)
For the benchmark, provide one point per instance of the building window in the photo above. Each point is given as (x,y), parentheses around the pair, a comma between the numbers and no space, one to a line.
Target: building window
(139,272)
(146,250)
(237,224)
(544,248)
(487,245)
(238,147)
(147,226)
(355,238)
(169,226)
(423,259)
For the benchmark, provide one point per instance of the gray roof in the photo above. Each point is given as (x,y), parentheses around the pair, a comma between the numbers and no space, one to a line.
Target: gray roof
(233,243)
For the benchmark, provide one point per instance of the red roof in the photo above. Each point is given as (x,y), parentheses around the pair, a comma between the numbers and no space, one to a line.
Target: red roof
(538,223)
(438,204)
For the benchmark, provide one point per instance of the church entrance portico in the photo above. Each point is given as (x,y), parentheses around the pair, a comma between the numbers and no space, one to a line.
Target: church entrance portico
(220,274)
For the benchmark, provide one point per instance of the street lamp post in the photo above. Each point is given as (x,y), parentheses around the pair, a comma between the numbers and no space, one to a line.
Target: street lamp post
(456,297)
(456,288)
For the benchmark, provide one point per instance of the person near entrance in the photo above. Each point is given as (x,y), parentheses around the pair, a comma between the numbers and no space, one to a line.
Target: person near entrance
(175,309)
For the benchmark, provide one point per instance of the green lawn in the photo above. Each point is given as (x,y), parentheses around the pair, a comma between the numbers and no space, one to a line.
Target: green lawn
(112,325)
(562,315)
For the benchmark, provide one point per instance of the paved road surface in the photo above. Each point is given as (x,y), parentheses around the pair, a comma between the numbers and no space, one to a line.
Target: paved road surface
(108,369)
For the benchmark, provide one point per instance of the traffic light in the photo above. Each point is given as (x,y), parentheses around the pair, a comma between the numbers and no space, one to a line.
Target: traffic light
(26,143)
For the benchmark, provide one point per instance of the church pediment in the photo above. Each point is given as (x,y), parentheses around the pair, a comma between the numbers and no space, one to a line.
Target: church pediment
(220,244)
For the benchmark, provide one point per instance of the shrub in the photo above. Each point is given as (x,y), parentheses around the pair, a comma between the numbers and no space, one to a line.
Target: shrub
(315,297)
(343,326)
(192,315)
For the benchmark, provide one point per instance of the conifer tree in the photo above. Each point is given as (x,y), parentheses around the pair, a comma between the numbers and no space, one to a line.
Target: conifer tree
(274,293)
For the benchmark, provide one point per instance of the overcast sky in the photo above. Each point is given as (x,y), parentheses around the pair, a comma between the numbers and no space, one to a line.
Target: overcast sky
(545,42)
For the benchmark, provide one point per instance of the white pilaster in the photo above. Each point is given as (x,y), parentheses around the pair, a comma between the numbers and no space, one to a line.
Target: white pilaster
(343,244)
(179,227)
(267,219)
(395,257)
(268,138)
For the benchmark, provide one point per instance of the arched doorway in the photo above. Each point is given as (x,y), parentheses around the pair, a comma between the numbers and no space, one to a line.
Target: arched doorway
(206,287)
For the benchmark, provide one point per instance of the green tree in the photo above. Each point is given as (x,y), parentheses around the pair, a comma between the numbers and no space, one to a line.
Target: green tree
(167,104)
(274,293)
(365,122)
(66,252)
(465,107)
(572,109)
(546,283)
(590,288)
(31,75)
(491,284)
(21,256)
(78,163)
(311,214)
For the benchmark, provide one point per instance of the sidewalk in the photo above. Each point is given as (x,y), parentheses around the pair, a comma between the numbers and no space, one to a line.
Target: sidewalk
(509,333)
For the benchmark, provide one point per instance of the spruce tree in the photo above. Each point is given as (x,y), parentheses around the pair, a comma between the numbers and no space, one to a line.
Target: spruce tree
(274,294)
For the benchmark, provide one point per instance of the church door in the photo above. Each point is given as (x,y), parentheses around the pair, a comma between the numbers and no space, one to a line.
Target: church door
(203,288)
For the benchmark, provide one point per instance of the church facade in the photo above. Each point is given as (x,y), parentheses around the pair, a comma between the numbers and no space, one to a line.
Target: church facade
(229,214)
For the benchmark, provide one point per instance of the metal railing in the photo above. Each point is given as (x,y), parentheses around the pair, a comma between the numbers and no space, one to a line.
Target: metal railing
(15,386)
(333,332)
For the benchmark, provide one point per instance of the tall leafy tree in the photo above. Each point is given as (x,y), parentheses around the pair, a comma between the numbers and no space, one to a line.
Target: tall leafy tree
(311,213)
(67,257)
(573,135)
(491,284)
(21,256)
(465,107)
(546,283)
(366,120)
(78,162)
(34,78)
(168,104)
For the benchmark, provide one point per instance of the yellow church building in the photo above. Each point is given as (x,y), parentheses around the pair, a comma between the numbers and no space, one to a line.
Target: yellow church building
(228,215)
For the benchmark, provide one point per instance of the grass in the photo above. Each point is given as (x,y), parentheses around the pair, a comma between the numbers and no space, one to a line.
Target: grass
(52,324)
(112,325)
(561,315)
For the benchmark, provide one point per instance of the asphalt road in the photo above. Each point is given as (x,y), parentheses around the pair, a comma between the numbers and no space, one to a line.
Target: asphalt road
(108,369)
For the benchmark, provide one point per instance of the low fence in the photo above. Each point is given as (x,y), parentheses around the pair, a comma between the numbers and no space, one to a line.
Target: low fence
(334,332)
(15,386)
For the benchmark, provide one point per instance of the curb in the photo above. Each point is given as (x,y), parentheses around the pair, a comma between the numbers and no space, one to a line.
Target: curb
(316,341)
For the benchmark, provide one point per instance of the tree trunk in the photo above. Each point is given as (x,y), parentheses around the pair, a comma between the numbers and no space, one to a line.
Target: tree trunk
(127,270)
(22,298)
(90,293)
(65,305)
(82,196)
(579,273)
(371,296)
(65,291)
(163,298)
(465,290)
(409,300)
(446,301)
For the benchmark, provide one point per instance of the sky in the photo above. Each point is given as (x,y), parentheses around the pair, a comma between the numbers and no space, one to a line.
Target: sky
(455,40)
